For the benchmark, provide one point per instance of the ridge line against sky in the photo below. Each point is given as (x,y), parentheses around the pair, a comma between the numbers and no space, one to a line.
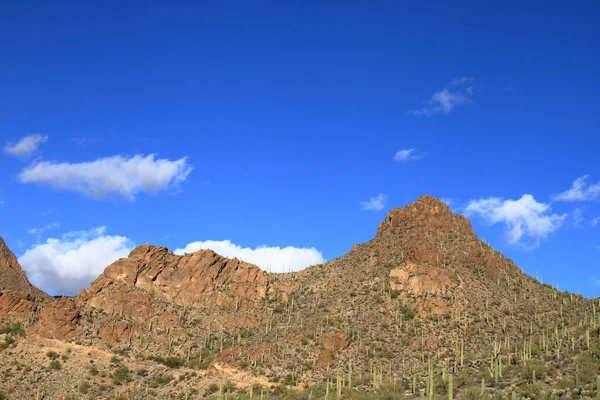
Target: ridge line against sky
(284,133)
(69,263)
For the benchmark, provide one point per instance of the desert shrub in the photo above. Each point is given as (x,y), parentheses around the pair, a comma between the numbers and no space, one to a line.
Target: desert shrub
(588,368)
(407,311)
(55,364)
(473,393)
(15,328)
(84,387)
(93,370)
(121,375)
(289,380)
(115,360)
(212,388)
(171,361)
(533,365)
(8,340)
(159,380)
(229,387)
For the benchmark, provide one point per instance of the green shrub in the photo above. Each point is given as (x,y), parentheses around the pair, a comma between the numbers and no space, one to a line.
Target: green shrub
(212,388)
(84,387)
(55,364)
(407,312)
(171,361)
(121,375)
(473,393)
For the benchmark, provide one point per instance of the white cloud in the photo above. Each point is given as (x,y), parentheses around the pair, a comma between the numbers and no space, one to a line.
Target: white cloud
(595,221)
(115,175)
(580,191)
(406,155)
(275,259)
(443,101)
(376,203)
(26,146)
(37,231)
(71,263)
(525,219)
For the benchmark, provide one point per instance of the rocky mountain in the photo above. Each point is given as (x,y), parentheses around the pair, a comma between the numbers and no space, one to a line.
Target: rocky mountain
(18,297)
(12,276)
(424,300)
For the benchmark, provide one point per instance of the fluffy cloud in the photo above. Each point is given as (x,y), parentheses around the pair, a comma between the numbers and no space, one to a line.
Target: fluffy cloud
(70,263)
(116,175)
(525,219)
(406,155)
(274,259)
(580,191)
(26,146)
(595,221)
(376,203)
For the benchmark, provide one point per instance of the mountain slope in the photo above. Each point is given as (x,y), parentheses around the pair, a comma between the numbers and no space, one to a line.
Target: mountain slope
(425,298)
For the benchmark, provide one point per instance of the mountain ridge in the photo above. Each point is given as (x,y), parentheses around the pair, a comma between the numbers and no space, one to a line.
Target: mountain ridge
(423,289)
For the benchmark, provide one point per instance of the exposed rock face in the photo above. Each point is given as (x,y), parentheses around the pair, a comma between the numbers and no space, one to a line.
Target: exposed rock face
(118,331)
(16,305)
(202,279)
(12,276)
(335,341)
(421,279)
(57,320)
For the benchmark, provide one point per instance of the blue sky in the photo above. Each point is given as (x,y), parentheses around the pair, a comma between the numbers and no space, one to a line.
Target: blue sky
(296,126)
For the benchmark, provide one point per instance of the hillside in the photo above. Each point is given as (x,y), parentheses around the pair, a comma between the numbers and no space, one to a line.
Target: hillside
(422,309)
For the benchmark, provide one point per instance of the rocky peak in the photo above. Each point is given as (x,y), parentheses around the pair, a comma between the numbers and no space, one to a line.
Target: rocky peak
(426,214)
(12,276)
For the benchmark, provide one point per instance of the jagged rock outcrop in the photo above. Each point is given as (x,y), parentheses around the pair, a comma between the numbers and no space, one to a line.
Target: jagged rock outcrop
(58,320)
(202,279)
(12,276)
(16,305)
